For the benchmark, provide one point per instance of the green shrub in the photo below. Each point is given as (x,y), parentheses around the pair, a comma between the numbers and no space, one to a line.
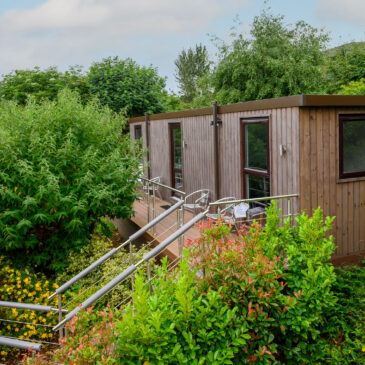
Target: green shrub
(62,165)
(25,286)
(279,276)
(77,261)
(177,324)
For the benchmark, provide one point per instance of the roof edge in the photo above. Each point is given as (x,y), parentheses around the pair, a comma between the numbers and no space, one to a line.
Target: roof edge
(304,100)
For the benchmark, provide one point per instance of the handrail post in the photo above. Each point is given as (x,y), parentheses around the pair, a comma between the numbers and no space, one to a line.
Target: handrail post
(154,207)
(149,276)
(178,225)
(131,262)
(60,313)
(182,222)
(289,210)
(148,202)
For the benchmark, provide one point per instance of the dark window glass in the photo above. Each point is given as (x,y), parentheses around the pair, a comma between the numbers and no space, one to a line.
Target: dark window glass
(257,186)
(352,146)
(176,156)
(137,132)
(177,148)
(256,162)
(256,145)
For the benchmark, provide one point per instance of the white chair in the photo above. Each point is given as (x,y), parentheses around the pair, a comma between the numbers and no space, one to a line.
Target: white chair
(231,213)
(197,201)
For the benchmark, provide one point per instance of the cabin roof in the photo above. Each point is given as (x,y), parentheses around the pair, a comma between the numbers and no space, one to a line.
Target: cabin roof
(274,103)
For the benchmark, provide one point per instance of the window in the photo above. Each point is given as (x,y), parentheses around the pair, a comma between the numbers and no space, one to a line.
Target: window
(137,132)
(352,145)
(176,156)
(256,157)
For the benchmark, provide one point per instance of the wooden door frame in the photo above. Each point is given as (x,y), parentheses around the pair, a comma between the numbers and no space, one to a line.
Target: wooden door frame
(173,126)
(252,120)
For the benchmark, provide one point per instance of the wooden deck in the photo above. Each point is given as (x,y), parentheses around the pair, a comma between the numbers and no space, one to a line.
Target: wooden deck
(163,229)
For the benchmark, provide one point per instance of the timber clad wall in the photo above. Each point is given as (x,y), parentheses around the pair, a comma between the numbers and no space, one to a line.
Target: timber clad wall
(319,175)
(284,130)
(306,125)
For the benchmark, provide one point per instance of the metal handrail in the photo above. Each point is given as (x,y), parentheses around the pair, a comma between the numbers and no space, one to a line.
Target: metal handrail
(130,270)
(113,251)
(163,186)
(275,197)
(33,307)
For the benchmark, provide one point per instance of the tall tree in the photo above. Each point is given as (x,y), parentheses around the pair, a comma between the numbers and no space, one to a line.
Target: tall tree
(124,85)
(276,60)
(42,84)
(191,65)
(345,64)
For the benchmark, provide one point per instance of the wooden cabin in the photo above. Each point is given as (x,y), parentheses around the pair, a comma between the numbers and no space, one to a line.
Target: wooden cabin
(313,145)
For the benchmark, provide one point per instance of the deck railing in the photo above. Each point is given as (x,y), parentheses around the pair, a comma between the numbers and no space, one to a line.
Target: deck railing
(145,262)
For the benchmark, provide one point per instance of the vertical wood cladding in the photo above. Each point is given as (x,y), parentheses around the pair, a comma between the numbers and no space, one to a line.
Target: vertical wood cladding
(319,175)
(284,130)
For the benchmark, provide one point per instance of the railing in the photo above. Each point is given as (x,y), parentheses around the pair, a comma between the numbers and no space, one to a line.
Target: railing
(135,265)
(24,343)
(127,244)
(151,186)
(287,212)
(128,273)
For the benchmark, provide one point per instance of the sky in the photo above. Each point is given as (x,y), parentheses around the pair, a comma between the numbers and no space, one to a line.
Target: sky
(152,32)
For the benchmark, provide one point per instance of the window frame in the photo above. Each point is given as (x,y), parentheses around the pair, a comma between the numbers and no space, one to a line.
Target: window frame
(138,127)
(341,119)
(247,170)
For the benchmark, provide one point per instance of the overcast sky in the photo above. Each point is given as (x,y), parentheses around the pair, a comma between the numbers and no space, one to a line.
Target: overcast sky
(69,32)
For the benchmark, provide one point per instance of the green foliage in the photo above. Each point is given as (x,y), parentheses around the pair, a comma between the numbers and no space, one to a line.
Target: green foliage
(42,84)
(125,86)
(25,286)
(276,60)
(345,65)
(191,65)
(177,325)
(353,88)
(62,166)
(77,261)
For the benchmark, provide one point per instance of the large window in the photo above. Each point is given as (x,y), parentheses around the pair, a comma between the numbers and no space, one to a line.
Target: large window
(256,157)
(352,145)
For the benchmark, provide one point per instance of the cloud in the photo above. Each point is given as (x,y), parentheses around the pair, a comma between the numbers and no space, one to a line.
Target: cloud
(352,11)
(80,31)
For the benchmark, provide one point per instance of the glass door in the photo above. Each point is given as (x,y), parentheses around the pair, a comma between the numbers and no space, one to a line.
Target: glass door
(176,156)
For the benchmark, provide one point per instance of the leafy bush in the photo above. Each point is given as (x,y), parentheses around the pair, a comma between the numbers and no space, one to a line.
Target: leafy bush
(24,286)
(280,278)
(78,261)
(177,324)
(354,88)
(62,165)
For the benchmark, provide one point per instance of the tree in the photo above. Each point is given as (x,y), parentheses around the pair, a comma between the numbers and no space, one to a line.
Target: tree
(276,60)
(191,65)
(353,88)
(62,167)
(42,84)
(344,64)
(124,85)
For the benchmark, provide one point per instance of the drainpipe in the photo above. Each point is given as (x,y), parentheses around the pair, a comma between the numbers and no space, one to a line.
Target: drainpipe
(147,123)
(216,123)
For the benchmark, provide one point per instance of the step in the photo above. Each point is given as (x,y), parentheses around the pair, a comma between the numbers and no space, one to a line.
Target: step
(6,341)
